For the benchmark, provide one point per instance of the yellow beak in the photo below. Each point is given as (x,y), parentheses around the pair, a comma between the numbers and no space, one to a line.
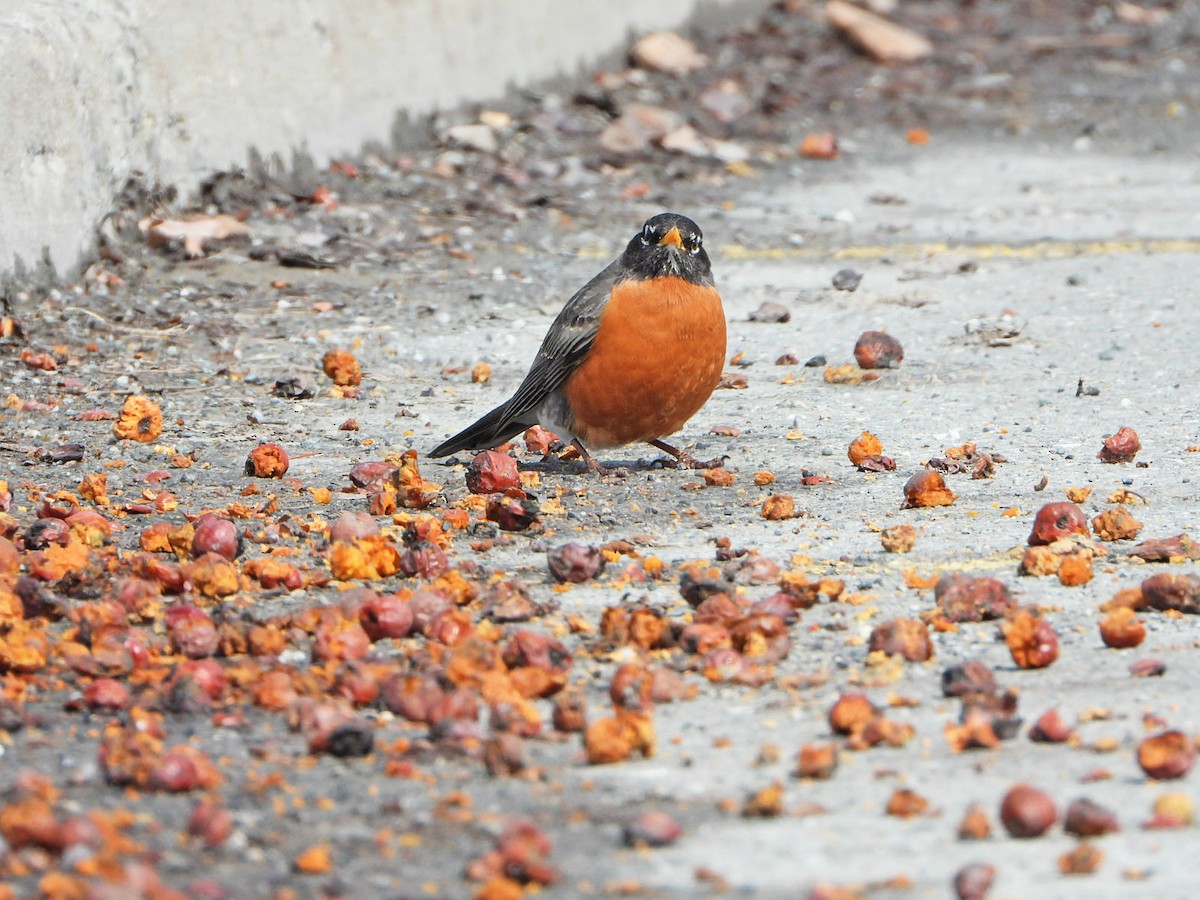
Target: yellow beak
(673,238)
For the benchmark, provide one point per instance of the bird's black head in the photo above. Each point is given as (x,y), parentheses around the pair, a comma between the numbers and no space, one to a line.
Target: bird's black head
(668,244)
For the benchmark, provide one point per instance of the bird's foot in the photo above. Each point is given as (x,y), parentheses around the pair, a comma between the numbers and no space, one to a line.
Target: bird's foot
(576,450)
(681,459)
(687,461)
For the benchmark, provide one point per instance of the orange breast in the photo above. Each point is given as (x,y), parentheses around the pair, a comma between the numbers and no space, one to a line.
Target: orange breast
(656,359)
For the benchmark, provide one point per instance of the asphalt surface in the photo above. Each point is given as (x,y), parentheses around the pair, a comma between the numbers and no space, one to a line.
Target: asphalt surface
(1089,259)
(1040,283)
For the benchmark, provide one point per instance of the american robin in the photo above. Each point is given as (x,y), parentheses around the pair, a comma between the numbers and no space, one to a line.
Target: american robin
(632,356)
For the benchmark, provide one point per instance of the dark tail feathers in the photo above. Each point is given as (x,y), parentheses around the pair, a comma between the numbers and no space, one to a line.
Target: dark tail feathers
(492,430)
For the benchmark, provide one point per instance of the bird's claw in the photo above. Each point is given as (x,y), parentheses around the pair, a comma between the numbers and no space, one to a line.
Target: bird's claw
(687,461)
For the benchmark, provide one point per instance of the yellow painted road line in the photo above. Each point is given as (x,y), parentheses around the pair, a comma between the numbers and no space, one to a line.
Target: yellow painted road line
(1030,250)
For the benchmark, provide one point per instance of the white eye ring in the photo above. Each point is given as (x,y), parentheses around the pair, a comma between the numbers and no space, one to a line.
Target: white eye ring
(696,247)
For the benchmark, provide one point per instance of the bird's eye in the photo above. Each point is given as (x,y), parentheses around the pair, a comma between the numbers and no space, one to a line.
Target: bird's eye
(696,245)
(647,236)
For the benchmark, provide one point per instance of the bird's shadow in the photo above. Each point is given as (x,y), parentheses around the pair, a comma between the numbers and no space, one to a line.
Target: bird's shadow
(612,468)
(553,464)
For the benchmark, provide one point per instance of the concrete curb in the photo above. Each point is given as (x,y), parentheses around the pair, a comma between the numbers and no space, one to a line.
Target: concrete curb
(98,91)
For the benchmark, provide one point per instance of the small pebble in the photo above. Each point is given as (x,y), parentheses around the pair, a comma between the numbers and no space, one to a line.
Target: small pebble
(846,280)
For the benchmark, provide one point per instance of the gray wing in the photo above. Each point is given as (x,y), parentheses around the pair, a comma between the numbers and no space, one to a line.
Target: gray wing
(566,343)
(563,349)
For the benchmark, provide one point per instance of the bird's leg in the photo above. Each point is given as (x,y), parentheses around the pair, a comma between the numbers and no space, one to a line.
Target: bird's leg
(594,467)
(684,460)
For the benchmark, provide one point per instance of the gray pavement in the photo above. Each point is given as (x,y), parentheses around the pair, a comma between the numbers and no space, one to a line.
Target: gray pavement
(1095,257)
(1082,252)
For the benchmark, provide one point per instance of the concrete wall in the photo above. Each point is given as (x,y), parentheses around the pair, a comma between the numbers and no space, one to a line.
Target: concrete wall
(92,91)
